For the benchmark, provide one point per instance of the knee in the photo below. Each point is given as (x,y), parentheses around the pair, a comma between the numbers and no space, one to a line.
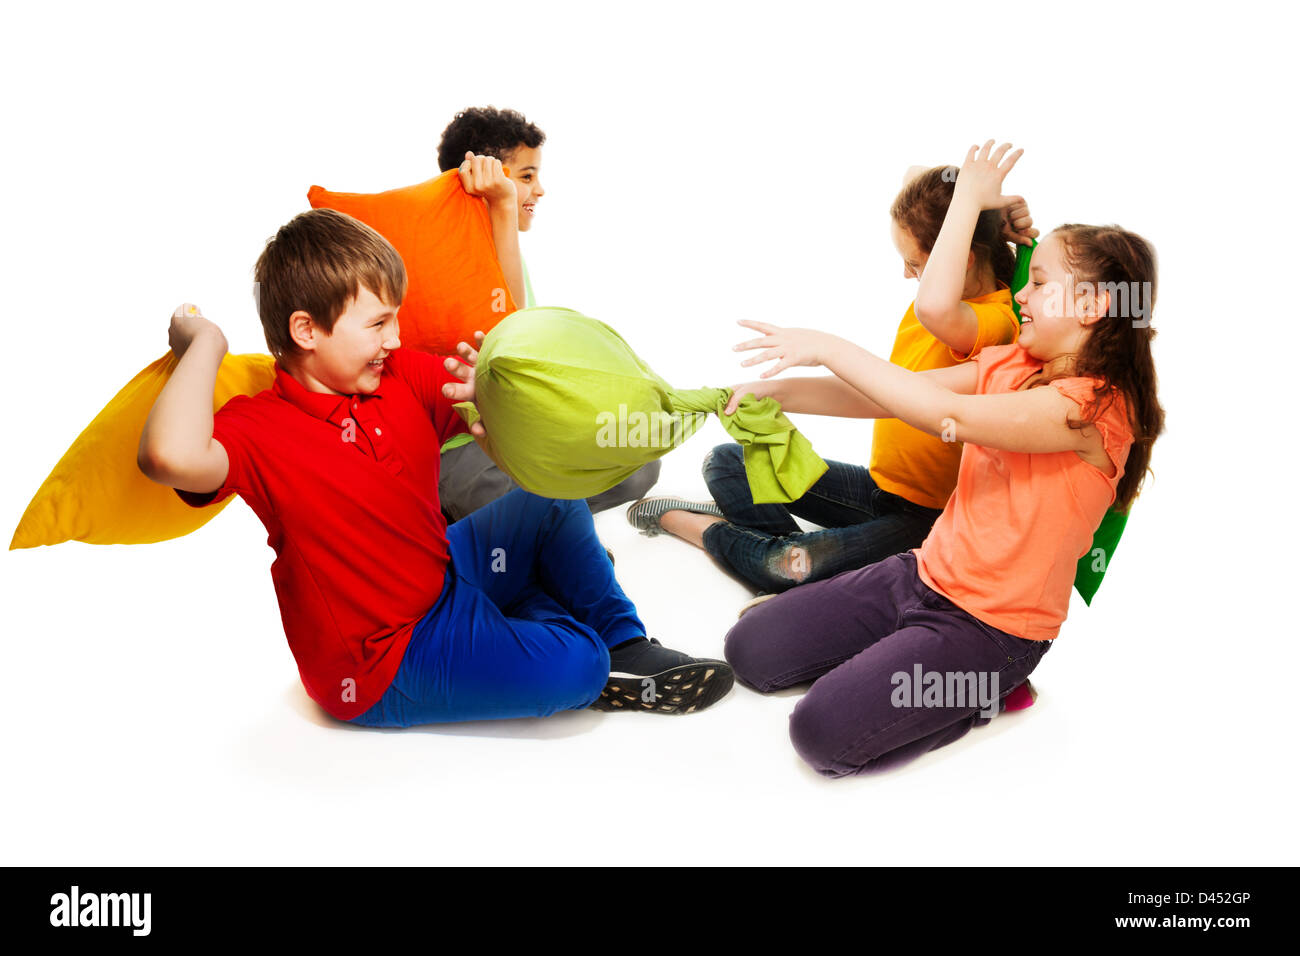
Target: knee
(650,473)
(642,480)
(813,734)
(581,675)
(789,564)
(744,648)
(780,565)
(561,511)
(722,460)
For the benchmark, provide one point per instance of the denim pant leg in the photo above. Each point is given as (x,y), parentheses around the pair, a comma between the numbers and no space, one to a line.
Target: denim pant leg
(523,625)
(864,524)
(522,544)
(724,473)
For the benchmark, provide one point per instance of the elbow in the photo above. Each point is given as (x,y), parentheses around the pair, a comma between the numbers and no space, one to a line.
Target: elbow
(939,320)
(927,311)
(937,316)
(155,463)
(948,326)
(149,461)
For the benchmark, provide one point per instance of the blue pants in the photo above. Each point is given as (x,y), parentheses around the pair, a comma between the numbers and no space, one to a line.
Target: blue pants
(764,546)
(528,611)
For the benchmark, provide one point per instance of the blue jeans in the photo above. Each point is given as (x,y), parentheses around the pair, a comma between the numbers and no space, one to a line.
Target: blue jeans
(764,546)
(528,611)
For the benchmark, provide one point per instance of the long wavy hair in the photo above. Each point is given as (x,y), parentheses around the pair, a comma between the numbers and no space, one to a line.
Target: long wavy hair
(921,206)
(1118,349)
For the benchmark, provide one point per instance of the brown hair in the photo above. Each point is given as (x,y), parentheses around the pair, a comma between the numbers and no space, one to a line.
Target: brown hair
(1117,350)
(317,263)
(921,206)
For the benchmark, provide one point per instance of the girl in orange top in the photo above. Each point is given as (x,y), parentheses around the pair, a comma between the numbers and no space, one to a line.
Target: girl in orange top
(910,653)
(962,258)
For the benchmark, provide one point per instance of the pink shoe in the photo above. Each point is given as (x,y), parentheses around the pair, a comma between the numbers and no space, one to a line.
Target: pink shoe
(1021,696)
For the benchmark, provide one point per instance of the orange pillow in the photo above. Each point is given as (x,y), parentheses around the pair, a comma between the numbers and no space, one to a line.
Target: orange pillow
(444,235)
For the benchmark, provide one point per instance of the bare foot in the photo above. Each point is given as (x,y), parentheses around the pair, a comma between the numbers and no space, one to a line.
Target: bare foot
(687,525)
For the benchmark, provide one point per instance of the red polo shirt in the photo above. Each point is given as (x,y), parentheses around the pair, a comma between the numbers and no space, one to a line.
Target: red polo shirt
(347,487)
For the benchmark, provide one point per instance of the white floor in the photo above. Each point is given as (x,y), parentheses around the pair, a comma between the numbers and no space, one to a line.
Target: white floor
(174,730)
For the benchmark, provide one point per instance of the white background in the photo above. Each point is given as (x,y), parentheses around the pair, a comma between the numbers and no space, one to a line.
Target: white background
(703,164)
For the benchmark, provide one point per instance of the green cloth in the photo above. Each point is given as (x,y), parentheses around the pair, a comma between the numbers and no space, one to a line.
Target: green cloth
(570,411)
(1092,566)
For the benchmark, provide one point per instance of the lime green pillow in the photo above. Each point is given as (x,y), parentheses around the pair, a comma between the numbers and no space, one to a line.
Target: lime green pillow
(570,411)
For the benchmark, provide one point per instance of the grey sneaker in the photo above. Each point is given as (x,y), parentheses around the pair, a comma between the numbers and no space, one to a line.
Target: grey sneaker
(647,676)
(644,515)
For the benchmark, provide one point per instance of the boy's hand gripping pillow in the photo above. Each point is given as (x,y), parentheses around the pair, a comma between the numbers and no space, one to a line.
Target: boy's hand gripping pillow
(570,411)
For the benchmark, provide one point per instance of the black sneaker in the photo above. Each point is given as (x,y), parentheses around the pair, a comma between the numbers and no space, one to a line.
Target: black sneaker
(649,677)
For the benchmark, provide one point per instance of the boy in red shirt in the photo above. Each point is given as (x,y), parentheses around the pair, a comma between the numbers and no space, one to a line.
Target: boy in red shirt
(394,617)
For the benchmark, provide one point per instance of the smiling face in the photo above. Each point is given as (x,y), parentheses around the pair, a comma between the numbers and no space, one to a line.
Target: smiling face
(349,360)
(525,164)
(914,259)
(1054,318)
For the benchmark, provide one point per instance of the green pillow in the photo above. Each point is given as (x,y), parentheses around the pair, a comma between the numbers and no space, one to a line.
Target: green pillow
(1092,566)
(570,411)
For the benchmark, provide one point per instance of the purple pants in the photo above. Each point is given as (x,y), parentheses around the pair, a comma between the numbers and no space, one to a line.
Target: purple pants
(898,669)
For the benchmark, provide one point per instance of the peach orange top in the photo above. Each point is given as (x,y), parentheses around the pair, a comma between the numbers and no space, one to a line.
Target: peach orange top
(1005,548)
(906,461)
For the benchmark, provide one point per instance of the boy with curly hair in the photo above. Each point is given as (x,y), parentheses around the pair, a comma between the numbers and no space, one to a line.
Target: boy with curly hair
(470,479)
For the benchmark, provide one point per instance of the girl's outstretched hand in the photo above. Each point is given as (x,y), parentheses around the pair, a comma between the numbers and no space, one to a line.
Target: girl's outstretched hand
(464,370)
(982,174)
(789,347)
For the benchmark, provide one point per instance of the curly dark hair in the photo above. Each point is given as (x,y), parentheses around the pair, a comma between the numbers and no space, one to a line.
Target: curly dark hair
(486,131)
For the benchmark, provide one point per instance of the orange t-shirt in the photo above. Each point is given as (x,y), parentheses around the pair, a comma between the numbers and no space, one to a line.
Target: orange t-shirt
(906,461)
(1005,548)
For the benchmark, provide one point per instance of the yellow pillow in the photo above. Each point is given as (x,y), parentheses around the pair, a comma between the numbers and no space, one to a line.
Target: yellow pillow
(97,493)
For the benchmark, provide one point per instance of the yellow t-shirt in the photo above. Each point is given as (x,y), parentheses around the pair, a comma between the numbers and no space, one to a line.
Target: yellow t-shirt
(905,461)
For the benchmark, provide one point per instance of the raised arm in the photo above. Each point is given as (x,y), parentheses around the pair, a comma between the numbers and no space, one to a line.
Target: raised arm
(484,176)
(176,446)
(939,306)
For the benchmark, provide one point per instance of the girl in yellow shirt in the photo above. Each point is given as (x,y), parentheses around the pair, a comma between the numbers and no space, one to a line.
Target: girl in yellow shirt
(964,263)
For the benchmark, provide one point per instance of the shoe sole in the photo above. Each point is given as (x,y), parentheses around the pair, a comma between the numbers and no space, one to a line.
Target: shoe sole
(680,690)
